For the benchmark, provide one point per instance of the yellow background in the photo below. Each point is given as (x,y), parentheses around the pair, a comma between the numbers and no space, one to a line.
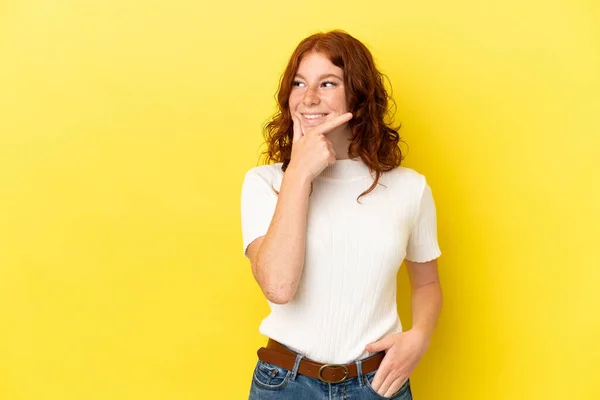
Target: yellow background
(125,132)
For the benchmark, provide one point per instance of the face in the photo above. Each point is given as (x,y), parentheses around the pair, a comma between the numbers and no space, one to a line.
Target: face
(318,90)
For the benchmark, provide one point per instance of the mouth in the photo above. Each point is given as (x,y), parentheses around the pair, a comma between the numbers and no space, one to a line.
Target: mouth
(313,118)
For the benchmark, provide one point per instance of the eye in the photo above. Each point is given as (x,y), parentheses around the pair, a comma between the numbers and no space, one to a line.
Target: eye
(297,83)
(329,84)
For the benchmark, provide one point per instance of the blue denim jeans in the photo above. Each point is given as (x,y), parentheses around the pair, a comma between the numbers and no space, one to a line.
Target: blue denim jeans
(272,382)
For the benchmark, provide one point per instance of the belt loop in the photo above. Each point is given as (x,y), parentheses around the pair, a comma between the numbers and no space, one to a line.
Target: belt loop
(359,372)
(296,366)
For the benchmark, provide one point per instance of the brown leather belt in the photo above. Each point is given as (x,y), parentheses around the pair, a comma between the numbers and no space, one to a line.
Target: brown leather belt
(277,354)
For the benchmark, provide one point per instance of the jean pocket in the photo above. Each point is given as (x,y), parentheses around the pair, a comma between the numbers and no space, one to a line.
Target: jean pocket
(270,376)
(403,392)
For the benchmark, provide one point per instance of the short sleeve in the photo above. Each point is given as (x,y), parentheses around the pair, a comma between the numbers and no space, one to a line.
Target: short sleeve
(423,243)
(258,201)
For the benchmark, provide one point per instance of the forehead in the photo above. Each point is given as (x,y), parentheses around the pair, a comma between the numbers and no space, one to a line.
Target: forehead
(315,64)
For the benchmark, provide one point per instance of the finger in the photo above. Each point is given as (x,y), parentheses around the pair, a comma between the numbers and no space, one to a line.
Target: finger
(380,376)
(330,125)
(297,127)
(331,161)
(387,384)
(331,149)
(397,384)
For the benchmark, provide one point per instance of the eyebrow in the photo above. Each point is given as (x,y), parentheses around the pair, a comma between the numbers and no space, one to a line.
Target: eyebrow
(321,77)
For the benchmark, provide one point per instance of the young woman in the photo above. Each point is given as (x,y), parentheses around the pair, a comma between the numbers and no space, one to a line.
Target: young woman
(326,228)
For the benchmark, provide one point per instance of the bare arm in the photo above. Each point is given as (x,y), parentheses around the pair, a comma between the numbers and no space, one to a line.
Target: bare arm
(426,298)
(278,257)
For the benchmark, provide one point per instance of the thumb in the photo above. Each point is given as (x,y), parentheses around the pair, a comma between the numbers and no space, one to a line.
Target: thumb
(379,345)
(297,128)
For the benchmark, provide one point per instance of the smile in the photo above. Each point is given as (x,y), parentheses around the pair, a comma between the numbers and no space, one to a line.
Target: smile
(313,116)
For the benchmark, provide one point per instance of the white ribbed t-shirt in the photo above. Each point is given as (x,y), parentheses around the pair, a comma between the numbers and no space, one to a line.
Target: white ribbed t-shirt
(346,297)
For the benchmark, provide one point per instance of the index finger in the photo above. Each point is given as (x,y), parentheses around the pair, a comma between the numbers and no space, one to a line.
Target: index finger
(330,125)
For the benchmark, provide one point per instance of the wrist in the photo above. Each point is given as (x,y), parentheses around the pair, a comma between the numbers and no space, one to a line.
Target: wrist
(424,334)
(298,175)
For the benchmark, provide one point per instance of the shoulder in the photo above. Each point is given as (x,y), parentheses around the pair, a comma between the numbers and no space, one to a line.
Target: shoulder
(406,178)
(271,174)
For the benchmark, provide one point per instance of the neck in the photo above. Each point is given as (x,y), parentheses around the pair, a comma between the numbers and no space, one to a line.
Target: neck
(340,139)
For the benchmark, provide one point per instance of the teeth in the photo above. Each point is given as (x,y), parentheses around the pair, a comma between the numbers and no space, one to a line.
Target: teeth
(313,116)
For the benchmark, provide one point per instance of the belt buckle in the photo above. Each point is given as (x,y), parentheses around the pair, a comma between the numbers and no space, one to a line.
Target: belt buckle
(346,373)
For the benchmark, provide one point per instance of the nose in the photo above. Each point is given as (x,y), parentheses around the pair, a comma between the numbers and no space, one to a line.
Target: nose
(310,98)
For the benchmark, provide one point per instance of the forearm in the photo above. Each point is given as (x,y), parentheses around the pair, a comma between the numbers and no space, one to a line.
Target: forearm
(426,304)
(280,258)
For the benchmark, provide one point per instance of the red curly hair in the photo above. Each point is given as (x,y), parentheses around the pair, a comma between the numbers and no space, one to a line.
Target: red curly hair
(373,140)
